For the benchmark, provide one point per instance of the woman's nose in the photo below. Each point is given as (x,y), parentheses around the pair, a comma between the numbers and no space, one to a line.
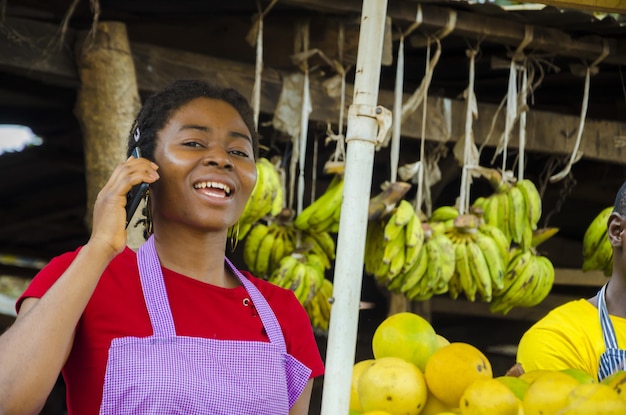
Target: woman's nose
(218,158)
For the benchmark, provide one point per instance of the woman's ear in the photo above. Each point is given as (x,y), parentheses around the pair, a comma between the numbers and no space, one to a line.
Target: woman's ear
(616,228)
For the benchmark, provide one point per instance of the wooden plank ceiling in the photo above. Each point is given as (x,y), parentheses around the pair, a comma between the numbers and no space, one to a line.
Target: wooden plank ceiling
(42,189)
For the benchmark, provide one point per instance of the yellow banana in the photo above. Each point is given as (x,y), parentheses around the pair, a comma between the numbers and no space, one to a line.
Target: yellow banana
(279,248)
(504,214)
(374,246)
(275,182)
(480,271)
(543,286)
(524,278)
(252,243)
(454,286)
(326,242)
(263,254)
(518,214)
(414,232)
(595,233)
(532,200)
(499,238)
(491,212)
(392,230)
(416,272)
(327,204)
(403,212)
(441,256)
(463,271)
(284,273)
(494,260)
(443,214)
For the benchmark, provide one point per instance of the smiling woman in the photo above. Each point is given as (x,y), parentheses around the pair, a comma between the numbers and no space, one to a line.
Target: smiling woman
(174,327)
(16,138)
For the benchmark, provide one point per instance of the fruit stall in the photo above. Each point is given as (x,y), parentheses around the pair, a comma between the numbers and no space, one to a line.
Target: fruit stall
(436,192)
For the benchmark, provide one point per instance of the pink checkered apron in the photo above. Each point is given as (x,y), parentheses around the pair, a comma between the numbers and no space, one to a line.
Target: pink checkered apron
(169,374)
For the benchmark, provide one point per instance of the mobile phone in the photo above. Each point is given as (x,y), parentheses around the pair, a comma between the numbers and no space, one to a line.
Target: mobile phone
(138,192)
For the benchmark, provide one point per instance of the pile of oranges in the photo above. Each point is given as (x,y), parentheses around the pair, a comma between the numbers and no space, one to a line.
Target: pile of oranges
(416,371)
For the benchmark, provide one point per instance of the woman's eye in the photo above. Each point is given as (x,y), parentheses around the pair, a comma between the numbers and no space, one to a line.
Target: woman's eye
(240,153)
(192,144)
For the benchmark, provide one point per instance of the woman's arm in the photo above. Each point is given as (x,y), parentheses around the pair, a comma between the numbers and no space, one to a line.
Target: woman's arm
(34,349)
(301,406)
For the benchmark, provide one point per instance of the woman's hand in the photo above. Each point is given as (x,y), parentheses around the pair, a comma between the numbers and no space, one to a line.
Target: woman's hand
(109,214)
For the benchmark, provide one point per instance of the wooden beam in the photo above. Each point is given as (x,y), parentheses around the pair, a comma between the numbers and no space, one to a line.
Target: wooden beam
(547,132)
(488,28)
(608,6)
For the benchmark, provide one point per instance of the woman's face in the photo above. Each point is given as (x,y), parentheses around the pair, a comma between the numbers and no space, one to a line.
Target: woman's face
(206,166)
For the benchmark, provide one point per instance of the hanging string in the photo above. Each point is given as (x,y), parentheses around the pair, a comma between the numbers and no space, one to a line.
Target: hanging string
(575,156)
(419,200)
(258,69)
(304,119)
(469,113)
(398,92)
(522,124)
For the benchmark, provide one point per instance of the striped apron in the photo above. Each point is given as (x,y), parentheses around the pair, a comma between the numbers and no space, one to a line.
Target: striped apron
(613,358)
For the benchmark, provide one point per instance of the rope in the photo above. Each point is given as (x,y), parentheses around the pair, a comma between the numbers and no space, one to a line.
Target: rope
(470,110)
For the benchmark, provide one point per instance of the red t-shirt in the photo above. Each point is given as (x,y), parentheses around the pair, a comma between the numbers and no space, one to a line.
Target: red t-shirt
(117,309)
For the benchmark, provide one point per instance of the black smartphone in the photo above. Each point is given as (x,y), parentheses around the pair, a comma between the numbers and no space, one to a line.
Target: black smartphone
(138,192)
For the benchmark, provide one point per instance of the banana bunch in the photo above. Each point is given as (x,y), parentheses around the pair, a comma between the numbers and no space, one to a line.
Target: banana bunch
(433,269)
(267,197)
(515,209)
(266,245)
(320,306)
(322,244)
(301,273)
(597,251)
(393,244)
(527,281)
(480,258)
(323,214)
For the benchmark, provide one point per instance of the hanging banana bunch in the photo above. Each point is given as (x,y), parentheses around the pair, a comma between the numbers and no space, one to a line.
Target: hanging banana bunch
(323,214)
(393,244)
(514,208)
(479,259)
(267,197)
(265,246)
(438,255)
(597,251)
(319,307)
(528,277)
(302,273)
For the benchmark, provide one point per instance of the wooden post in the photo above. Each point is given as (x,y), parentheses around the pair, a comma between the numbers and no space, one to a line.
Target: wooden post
(106,105)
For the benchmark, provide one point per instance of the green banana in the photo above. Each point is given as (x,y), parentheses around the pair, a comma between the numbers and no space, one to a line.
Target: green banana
(494,260)
(443,214)
(480,271)
(416,272)
(499,238)
(252,243)
(518,215)
(532,200)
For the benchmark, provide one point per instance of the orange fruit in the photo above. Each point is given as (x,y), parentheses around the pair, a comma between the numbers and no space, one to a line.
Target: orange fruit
(516,385)
(434,406)
(547,394)
(357,370)
(593,398)
(452,368)
(442,341)
(617,381)
(580,375)
(407,336)
(394,385)
(488,396)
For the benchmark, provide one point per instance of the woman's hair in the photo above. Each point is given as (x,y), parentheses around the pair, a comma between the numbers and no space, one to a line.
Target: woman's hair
(158,108)
(620,200)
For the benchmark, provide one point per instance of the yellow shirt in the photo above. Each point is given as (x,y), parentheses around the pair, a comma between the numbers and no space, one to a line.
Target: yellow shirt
(568,337)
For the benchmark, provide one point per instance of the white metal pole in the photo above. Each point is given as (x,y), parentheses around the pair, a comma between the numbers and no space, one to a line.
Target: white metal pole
(361,146)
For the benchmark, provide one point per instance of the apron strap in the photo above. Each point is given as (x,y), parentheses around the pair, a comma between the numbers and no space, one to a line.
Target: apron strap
(153,285)
(270,322)
(608,332)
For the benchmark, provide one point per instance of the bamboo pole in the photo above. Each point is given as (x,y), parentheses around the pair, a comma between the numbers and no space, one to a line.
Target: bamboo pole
(361,142)
(107,102)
